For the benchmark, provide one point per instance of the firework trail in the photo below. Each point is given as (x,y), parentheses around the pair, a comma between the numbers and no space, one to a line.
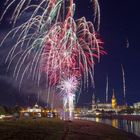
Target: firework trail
(127,43)
(107,88)
(96,9)
(124,85)
(60,48)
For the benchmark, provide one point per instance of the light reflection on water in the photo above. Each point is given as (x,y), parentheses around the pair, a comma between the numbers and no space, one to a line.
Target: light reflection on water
(129,126)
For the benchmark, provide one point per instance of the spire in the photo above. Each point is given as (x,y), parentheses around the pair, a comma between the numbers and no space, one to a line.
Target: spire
(94,103)
(93,99)
(93,96)
(113,95)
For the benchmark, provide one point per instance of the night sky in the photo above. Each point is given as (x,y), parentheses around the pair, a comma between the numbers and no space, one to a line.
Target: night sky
(120,22)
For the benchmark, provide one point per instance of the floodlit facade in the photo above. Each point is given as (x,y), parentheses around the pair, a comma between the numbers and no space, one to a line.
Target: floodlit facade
(137,105)
(37,111)
(101,106)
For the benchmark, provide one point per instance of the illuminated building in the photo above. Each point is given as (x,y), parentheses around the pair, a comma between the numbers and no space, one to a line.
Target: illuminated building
(37,111)
(97,105)
(114,101)
(104,106)
(137,105)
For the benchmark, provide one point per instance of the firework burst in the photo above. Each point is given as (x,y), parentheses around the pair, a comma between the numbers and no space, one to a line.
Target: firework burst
(60,48)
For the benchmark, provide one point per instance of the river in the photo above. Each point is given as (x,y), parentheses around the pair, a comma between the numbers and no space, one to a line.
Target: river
(128,126)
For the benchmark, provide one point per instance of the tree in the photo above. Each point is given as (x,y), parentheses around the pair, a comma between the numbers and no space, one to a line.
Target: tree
(2,110)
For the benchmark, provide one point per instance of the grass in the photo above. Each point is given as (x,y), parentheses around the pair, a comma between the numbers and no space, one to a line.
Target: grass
(29,129)
(55,129)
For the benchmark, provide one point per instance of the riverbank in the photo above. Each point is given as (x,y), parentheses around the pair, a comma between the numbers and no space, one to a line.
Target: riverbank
(126,117)
(55,129)
(120,117)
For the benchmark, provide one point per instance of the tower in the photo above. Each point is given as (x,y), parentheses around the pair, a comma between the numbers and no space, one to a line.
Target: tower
(113,100)
(93,99)
(93,102)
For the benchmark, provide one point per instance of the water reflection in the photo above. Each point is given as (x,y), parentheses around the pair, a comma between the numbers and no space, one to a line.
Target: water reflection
(129,126)
(97,119)
(114,123)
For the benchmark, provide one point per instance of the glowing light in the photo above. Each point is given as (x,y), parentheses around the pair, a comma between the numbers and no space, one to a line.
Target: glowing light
(68,88)
(68,85)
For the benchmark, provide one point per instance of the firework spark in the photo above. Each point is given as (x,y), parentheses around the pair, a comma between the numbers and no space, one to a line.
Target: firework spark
(68,88)
(60,48)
